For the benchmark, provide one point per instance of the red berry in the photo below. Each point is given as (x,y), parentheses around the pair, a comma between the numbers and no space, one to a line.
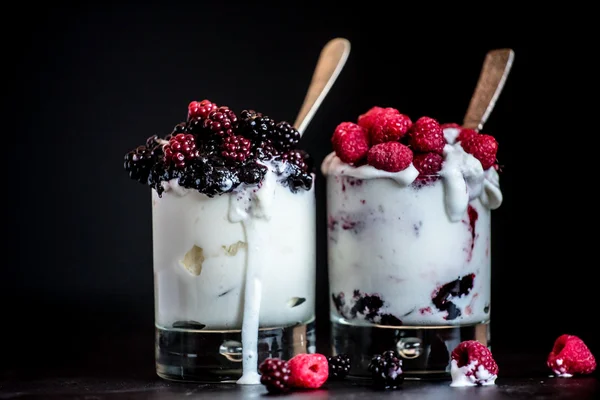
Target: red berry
(366,120)
(428,163)
(236,148)
(390,156)
(426,135)
(450,125)
(200,109)
(308,371)
(570,356)
(388,127)
(275,375)
(466,134)
(181,147)
(220,122)
(476,361)
(350,142)
(482,147)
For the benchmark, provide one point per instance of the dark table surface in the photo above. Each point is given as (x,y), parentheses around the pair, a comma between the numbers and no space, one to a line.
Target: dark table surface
(123,368)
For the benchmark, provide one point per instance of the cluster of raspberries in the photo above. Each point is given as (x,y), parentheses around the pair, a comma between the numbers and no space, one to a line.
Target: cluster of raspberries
(390,141)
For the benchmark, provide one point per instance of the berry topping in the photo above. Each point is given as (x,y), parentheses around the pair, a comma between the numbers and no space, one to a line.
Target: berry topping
(264,150)
(473,364)
(350,142)
(285,136)
(390,156)
(200,109)
(465,134)
(219,122)
(256,126)
(181,148)
(138,163)
(570,356)
(235,148)
(427,163)
(275,375)
(209,175)
(388,127)
(252,173)
(367,119)
(426,135)
(308,371)
(339,366)
(299,158)
(386,370)
(450,125)
(482,147)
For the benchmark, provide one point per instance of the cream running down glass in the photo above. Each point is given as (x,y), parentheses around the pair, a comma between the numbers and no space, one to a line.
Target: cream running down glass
(409,208)
(233,215)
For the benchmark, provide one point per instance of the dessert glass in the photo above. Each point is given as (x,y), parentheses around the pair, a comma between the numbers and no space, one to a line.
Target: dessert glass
(231,269)
(409,260)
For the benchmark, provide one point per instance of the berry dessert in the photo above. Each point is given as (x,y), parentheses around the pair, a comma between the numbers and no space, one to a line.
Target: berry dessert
(408,207)
(473,365)
(301,372)
(233,210)
(386,370)
(570,356)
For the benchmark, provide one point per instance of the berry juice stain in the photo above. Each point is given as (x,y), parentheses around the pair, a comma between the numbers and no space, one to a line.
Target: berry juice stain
(472,216)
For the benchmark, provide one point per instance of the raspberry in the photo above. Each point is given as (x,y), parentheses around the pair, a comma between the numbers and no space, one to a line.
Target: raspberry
(367,119)
(285,136)
(473,361)
(570,356)
(390,156)
(235,148)
(426,135)
(465,134)
(428,163)
(256,126)
(339,366)
(386,370)
(200,109)
(350,142)
(482,147)
(388,127)
(219,122)
(308,371)
(275,375)
(181,148)
(450,125)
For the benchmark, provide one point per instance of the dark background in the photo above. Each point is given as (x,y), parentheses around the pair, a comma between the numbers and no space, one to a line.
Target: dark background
(93,81)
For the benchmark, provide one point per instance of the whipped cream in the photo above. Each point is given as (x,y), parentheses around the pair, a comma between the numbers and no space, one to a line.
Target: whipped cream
(471,375)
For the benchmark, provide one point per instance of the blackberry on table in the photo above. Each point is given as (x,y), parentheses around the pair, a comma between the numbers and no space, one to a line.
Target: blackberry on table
(220,122)
(138,163)
(275,375)
(286,136)
(256,126)
(339,366)
(386,370)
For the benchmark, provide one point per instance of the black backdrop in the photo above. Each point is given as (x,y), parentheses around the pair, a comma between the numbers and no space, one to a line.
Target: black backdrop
(94,81)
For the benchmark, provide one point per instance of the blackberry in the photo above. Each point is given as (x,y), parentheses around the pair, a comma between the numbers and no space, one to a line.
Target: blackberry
(194,126)
(210,176)
(219,122)
(339,366)
(159,173)
(256,126)
(235,148)
(252,173)
(152,141)
(275,375)
(300,158)
(264,150)
(285,136)
(386,370)
(200,109)
(179,128)
(210,147)
(138,163)
(180,149)
(295,178)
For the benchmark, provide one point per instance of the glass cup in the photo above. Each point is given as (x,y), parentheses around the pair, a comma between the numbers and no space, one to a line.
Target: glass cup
(234,279)
(409,264)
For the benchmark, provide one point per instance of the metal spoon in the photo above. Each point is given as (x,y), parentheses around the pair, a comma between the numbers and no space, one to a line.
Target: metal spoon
(329,65)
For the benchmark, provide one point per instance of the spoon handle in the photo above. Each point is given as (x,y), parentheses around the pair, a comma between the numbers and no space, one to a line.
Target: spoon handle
(329,65)
(493,75)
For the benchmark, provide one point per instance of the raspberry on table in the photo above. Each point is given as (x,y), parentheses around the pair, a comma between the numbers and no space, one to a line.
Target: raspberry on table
(350,142)
(483,147)
(275,375)
(390,127)
(235,148)
(339,366)
(386,370)
(308,371)
(474,361)
(200,109)
(181,148)
(426,135)
(570,356)
(390,156)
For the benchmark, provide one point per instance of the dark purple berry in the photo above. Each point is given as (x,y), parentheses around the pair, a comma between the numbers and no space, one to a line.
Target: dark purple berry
(286,136)
(386,370)
(235,148)
(275,375)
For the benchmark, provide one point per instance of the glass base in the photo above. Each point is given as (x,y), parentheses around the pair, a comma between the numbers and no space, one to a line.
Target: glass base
(216,356)
(425,351)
